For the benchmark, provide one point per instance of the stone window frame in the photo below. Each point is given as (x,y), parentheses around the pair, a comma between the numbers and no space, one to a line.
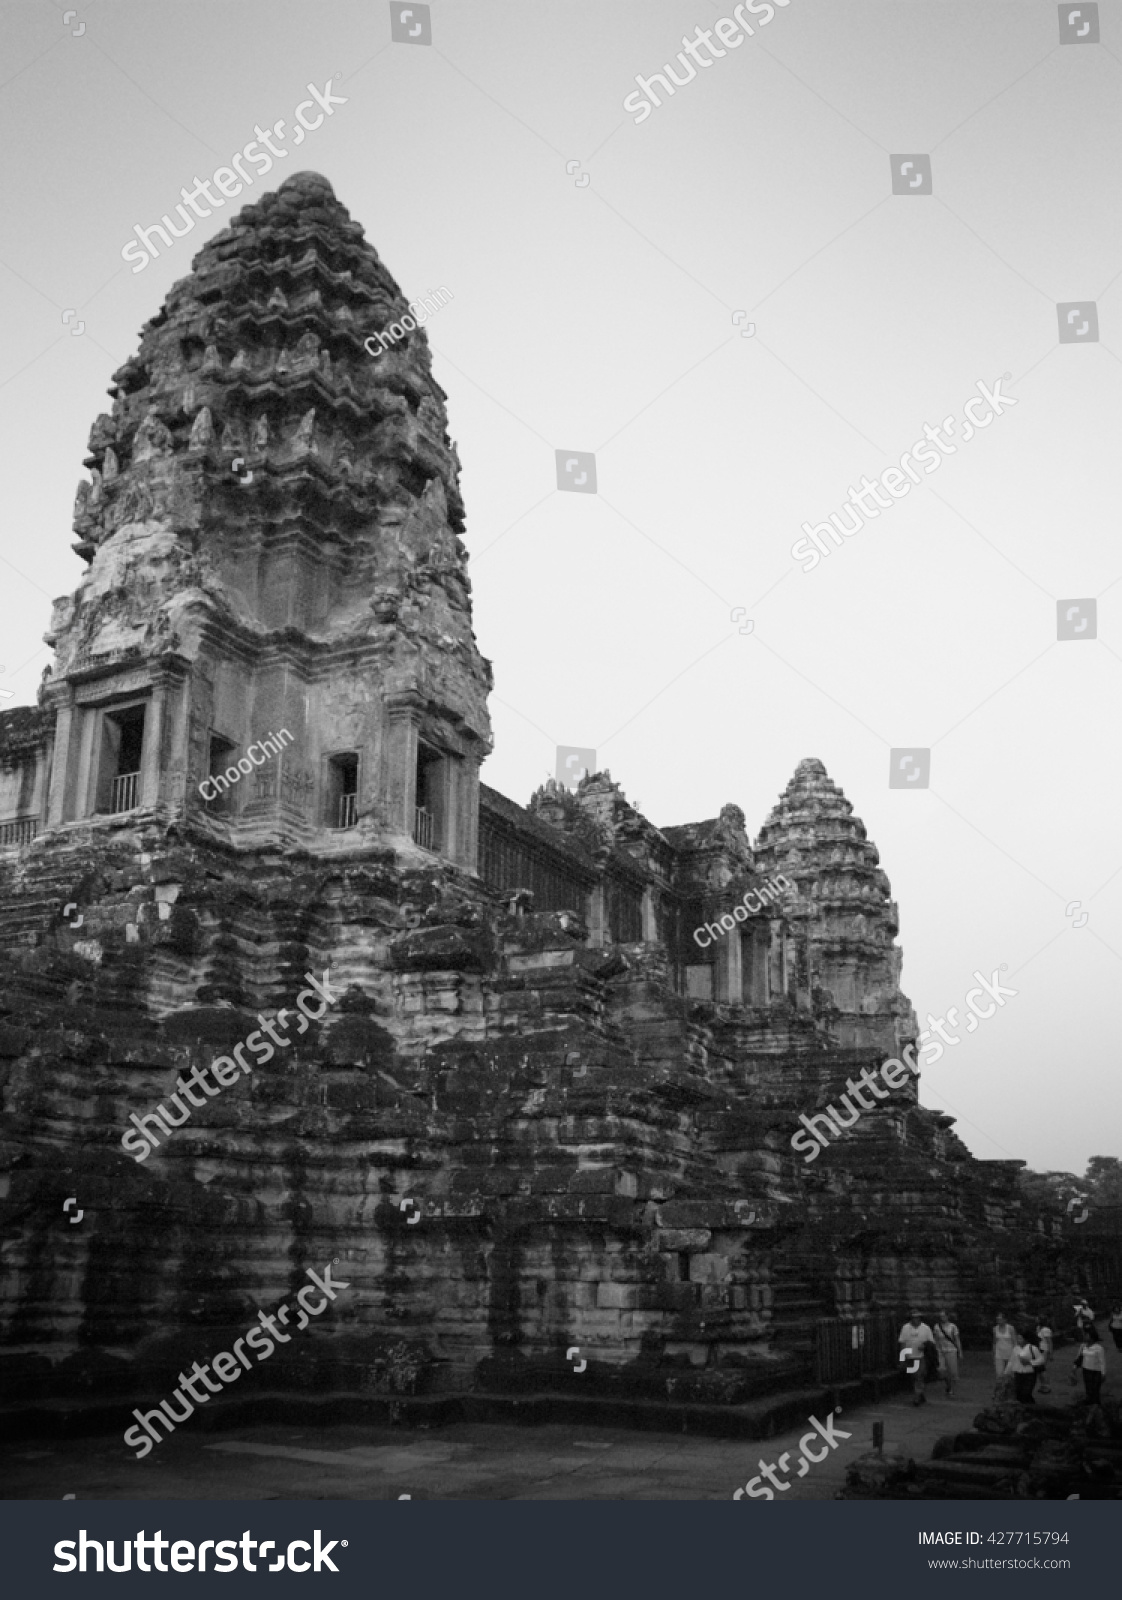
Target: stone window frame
(329,797)
(99,711)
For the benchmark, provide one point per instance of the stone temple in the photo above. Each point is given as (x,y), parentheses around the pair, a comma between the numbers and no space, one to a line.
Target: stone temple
(538,1113)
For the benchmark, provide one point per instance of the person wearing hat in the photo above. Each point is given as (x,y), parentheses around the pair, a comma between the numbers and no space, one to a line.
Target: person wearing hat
(914,1336)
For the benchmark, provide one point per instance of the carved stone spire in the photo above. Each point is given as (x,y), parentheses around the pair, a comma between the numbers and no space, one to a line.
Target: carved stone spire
(844,903)
(322,579)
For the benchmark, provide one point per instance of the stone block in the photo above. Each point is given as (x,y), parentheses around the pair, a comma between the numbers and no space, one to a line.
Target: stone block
(551,1180)
(615,1296)
(593,1180)
(13,1041)
(677,1296)
(442,949)
(695,1214)
(708,1269)
(540,960)
(683,1238)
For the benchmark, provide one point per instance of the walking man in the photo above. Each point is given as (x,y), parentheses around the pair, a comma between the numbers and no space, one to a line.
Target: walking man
(914,1335)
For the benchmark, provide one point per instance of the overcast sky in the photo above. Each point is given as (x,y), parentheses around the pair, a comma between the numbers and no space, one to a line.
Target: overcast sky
(604,308)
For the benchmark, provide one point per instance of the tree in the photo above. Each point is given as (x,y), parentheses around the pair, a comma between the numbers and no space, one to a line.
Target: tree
(1103,1180)
(1051,1189)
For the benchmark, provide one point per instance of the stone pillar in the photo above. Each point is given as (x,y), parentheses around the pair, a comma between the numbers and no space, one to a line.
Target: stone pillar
(734,968)
(468,802)
(174,752)
(650,920)
(399,776)
(85,755)
(598,914)
(62,779)
(152,752)
(452,845)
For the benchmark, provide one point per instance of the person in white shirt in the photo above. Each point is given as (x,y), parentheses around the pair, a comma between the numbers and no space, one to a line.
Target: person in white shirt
(949,1346)
(1004,1338)
(1092,1358)
(914,1335)
(1024,1364)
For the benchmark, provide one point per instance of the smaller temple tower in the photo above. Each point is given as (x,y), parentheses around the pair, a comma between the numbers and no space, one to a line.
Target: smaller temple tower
(848,961)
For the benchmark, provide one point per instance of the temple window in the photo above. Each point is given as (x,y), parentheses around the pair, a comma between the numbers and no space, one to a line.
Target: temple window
(342,791)
(222,754)
(118,773)
(429,817)
(755,948)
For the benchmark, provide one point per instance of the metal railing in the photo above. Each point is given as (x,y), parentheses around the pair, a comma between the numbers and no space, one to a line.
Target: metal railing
(845,1348)
(348,811)
(125,793)
(424,828)
(22,831)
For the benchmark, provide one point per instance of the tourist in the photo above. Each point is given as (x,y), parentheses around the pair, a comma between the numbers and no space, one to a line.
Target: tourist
(949,1348)
(1024,1364)
(1084,1316)
(1004,1339)
(1046,1344)
(1092,1358)
(914,1336)
(1116,1324)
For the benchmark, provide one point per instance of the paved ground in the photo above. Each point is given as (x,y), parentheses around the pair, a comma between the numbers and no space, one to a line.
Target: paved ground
(478,1461)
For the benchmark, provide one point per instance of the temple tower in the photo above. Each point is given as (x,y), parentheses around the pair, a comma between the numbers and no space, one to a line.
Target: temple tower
(274,636)
(845,919)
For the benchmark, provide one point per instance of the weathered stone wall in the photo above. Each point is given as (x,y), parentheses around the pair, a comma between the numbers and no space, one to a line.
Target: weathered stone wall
(593,1160)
